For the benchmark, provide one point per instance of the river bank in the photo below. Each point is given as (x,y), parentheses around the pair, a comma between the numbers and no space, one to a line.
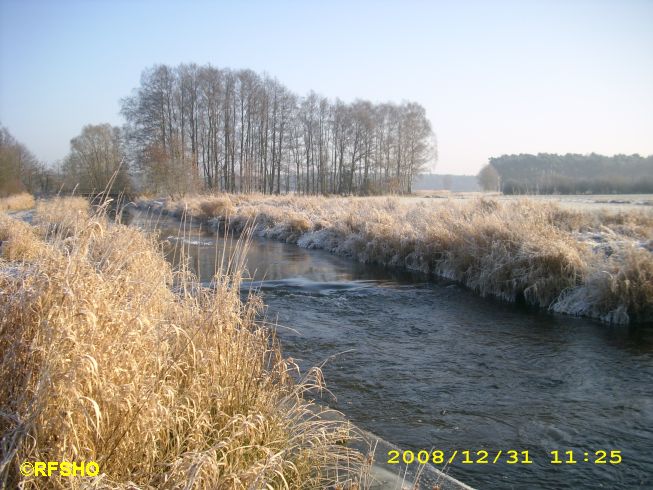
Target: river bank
(111,355)
(431,365)
(588,263)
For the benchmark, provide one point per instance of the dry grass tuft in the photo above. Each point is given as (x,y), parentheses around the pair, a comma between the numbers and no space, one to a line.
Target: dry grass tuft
(299,224)
(517,250)
(618,290)
(17,202)
(107,354)
(62,215)
(17,240)
(203,207)
(216,206)
(631,223)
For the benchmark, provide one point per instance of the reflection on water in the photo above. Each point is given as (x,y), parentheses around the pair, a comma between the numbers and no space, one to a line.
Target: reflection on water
(429,365)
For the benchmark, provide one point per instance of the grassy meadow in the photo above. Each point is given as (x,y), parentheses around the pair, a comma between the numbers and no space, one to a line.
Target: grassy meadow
(596,263)
(108,354)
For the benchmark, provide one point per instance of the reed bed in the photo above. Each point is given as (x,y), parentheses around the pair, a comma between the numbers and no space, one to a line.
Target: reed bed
(17,202)
(108,354)
(62,217)
(588,263)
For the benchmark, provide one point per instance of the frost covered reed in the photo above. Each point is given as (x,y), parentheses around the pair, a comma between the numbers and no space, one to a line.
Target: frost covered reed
(17,202)
(62,216)
(592,263)
(107,354)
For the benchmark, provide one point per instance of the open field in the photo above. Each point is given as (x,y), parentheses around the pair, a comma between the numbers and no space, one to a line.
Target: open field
(107,354)
(608,202)
(592,262)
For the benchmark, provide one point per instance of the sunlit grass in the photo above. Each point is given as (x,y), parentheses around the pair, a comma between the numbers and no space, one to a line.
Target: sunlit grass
(516,250)
(107,354)
(17,202)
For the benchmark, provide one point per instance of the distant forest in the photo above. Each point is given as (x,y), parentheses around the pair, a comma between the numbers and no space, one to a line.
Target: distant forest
(547,173)
(446,182)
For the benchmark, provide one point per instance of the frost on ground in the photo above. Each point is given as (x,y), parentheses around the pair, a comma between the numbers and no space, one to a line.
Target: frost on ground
(595,263)
(109,354)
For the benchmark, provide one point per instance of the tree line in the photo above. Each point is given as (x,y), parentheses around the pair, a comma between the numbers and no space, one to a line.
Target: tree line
(20,170)
(548,173)
(192,127)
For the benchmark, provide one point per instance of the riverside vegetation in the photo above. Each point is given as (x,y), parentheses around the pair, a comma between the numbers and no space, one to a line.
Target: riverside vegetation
(597,264)
(108,354)
(17,202)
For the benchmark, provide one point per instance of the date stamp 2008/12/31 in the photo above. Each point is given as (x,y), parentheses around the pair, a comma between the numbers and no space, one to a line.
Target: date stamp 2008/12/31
(482,456)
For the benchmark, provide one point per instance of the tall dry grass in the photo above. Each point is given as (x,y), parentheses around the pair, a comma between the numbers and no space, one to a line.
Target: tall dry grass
(62,216)
(107,354)
(17,202)
(517,250)
(617,289)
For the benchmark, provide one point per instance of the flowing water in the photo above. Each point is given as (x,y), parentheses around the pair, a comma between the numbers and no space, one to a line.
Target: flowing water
(429,365)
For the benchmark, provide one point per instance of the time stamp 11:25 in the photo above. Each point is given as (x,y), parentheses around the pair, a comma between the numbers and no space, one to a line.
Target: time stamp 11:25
(511,456)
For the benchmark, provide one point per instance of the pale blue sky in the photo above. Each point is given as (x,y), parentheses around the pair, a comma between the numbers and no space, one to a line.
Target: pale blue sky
(495,76)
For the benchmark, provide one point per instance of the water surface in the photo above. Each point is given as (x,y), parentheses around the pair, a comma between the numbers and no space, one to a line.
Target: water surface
(430,365)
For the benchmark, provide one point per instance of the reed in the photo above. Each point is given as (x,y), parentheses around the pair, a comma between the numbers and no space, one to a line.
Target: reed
(17,202)
(108,354)
(517,250)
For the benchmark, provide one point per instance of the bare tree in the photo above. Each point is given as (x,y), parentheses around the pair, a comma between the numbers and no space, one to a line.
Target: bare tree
(20,170)
(239,131)
(97,159)
(488,178)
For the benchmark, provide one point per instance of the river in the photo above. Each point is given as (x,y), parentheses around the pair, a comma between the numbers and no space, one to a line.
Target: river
(429,365)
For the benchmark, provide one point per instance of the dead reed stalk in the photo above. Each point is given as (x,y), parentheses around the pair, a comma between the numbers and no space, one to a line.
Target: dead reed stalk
(17,202)
(100,360)
(521,250)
